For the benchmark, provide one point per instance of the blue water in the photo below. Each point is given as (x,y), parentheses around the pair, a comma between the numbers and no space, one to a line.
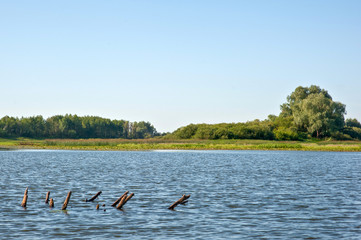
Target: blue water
(234,194)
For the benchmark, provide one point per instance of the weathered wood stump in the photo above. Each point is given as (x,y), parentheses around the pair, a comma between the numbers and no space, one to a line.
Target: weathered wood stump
(51,203)
(94,197)
(47,197)
(65,205)
(118,200)
(182,200)
(25,198)
(124,200)
(97,207)
(121,203)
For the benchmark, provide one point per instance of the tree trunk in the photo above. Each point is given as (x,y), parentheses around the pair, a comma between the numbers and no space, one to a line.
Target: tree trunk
(182,200)
(47,197)
(65,205)
(94,197)
(118,200)
(51,203)
(25,198)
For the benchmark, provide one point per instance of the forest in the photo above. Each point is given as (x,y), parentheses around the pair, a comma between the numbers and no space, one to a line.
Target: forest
(310,112)
(74,127)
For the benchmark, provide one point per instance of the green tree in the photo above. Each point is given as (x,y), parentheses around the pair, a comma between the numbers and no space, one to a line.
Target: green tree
(352,122)
(284,128)
(314,111)
(186,132)
(73,126)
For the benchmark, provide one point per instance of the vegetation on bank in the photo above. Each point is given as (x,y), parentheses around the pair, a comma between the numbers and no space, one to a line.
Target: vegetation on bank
(162,144)
(309,113)
(74,127)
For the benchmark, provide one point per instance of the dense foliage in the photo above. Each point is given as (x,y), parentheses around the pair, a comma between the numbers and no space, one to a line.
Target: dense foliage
(250,130)
(73,126)
(309,112)
(314,112)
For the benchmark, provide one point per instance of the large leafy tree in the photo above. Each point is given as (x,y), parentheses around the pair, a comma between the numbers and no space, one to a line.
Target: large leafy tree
(314,111)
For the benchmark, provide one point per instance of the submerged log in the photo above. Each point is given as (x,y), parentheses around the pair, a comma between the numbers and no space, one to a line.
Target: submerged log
(182,200)
(121,203)
(118,200)
(25,198)
(94,197)
(47,197)
(124,200)
(65,205)
(128,198)
(51,203)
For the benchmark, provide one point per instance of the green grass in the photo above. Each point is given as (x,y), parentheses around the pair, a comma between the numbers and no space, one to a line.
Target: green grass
(162,144)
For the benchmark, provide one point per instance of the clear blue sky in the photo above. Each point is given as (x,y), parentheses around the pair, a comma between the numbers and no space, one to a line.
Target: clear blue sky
(176,62)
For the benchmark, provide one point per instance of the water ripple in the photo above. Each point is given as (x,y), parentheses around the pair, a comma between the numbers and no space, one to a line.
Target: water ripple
(234,194)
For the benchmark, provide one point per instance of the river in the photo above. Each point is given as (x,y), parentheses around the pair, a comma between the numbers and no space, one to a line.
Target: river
(234,194)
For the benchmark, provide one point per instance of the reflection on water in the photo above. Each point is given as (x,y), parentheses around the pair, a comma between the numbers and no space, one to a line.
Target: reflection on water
(234,194)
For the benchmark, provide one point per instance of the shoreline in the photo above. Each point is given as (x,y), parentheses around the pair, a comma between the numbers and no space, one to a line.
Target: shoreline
(161,144)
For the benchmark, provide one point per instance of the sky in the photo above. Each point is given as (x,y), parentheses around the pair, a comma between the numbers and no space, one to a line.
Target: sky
(173,63)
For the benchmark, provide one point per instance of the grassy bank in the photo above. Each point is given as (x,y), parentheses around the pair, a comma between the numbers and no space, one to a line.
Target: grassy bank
(161,144)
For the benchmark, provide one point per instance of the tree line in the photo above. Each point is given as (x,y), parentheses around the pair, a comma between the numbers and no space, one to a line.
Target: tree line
(73,126)
(309,112)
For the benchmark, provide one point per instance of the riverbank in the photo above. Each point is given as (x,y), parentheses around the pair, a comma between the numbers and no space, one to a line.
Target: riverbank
(161,144)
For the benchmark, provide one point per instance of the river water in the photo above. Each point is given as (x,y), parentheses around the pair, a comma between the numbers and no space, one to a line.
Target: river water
(234,194)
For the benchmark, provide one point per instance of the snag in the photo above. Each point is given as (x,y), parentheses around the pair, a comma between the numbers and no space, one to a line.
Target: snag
(118,200)
(25,198)
(65,205)
(121,203)
(97,207)
(94,197)
(51,203)
(128,198)
(182,200)
(124,200)
(47,197)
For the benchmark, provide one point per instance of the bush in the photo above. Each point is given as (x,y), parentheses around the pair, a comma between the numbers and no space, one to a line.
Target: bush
(286,134)
(186,132)
(340,136)
(353,132)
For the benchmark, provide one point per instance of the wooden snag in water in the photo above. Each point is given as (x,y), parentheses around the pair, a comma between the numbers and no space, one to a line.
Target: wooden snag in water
(47,197)
(97,207)
(51,203)
(182,200)
(128,198)
(125,200)
(94,197)
(25,198)
(65,205)
(118,200)
(121,203)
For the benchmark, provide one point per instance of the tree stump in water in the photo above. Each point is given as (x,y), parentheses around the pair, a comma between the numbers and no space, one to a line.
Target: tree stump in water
(121,203)
(124,200)
(47,197)
(94,197)
(51,203)
(25,198)
(182,200)
(118,200)
(65,205)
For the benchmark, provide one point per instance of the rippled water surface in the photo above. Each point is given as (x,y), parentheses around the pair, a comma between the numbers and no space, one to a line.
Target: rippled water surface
(234,194)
